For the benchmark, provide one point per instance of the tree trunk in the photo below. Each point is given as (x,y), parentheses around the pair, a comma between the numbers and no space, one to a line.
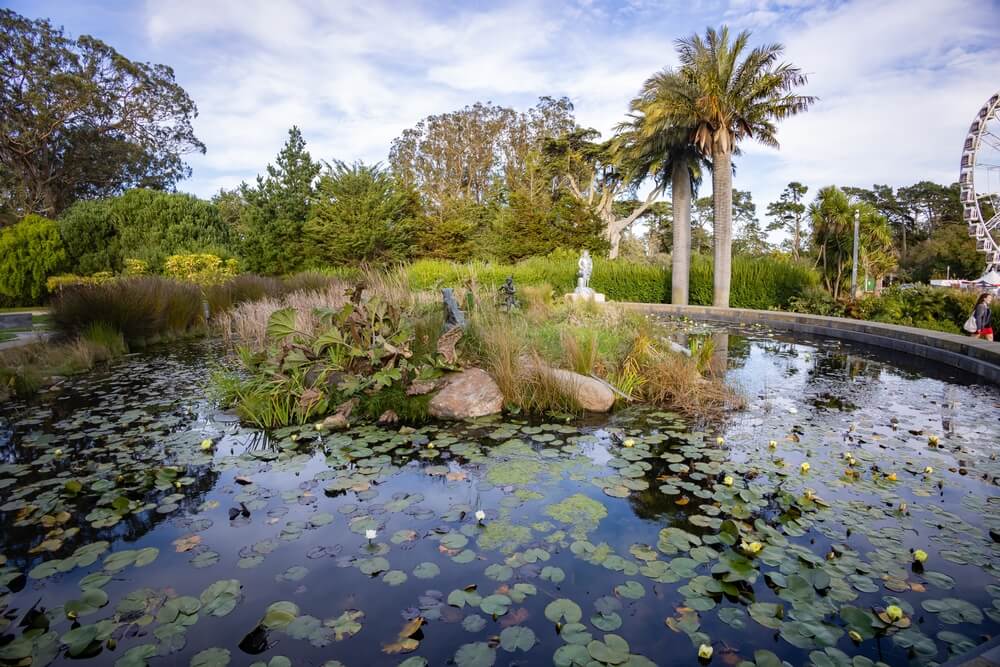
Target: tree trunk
(680,190)
(722,244)
(615,227)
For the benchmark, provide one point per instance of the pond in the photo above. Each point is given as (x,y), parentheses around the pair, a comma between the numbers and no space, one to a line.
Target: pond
(792,532)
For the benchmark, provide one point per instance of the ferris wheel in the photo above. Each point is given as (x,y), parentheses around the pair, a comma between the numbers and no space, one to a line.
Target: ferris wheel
(979,181)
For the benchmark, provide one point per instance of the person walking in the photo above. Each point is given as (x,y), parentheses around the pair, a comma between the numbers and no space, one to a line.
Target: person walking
(982,317)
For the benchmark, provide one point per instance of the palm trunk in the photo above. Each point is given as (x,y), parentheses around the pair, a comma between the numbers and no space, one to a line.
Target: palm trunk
(722,196)
(680,190)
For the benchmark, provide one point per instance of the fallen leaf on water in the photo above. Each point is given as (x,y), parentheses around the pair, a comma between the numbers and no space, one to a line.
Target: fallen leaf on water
(402,646)
(187,543)
(411,627)
(516,617)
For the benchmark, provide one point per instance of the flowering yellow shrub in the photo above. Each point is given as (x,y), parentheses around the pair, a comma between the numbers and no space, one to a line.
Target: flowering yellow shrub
(135,267)
(203,269)
(55,283)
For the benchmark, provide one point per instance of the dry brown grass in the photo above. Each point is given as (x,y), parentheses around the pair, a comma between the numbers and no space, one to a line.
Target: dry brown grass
(537,301)
(246,324)
(672,380)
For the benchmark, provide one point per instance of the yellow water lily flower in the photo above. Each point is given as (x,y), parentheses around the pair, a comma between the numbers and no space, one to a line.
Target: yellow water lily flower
(751,547)
(719,440)
(903,507)
(809,494)
(430,445)
(58,452)
(933,440)
(920,555)
(629,442)
(928,470)
(728,480)
(804,468)
(855,636)
(319,426)
(891,477)
(772,444)
(705,651)
(206,444)
(893,612)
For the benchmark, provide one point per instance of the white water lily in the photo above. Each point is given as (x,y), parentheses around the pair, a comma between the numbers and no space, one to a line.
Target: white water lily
(480,515)
(371,533)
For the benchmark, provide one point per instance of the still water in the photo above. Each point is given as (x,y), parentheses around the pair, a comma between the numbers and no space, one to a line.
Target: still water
(631,539)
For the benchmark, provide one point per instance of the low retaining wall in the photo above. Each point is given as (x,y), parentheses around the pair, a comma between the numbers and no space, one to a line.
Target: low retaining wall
(976,357)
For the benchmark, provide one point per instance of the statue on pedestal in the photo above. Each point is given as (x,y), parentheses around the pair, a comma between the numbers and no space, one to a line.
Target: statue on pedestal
(586,266)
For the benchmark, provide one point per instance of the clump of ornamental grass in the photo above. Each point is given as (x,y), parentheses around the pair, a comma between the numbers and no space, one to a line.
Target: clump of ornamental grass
(246,324)
(140,308)
(581,351)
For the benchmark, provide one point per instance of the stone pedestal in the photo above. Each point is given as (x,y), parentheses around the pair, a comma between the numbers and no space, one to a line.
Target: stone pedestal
(588,295)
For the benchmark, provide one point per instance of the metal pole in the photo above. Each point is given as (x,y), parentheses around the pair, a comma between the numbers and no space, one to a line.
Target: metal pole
(854,265)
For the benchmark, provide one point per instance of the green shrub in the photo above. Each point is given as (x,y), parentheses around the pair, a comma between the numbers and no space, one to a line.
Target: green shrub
(30,251)
(940,309)
(142,309)
(148,225)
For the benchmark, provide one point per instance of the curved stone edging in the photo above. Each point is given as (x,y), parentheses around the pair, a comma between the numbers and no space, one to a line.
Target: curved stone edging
(977,357)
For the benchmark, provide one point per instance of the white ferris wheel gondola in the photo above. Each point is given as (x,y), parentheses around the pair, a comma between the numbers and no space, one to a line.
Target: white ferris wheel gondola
(979,181)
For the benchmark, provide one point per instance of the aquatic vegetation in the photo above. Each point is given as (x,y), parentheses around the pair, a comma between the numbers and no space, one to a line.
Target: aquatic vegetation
(633,539)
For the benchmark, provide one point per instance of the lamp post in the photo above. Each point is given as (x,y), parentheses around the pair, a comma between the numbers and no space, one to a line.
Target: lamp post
(854,264)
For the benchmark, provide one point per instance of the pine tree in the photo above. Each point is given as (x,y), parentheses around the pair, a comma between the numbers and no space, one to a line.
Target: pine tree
(277,209)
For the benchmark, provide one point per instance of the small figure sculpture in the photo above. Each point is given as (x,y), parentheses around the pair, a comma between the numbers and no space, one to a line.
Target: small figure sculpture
(508,295)
(453,315)
(586,265)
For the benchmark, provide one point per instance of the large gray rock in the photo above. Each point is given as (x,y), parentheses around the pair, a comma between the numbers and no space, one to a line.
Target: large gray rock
(467,394)
(592,395)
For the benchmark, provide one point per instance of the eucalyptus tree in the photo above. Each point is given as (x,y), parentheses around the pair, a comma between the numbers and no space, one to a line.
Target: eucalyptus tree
(726,92)
(78,120)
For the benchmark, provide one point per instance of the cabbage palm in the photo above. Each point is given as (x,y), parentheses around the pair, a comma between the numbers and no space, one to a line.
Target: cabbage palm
(726,93)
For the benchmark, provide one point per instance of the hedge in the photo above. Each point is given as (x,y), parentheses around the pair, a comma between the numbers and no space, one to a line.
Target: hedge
(759,282)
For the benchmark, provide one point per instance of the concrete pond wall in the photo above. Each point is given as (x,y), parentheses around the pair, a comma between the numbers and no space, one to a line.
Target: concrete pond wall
(976,357)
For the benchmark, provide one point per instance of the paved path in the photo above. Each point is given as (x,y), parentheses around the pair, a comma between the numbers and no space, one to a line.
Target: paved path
(24,338)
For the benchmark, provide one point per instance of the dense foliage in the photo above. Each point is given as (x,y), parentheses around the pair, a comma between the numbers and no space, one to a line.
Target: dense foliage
(361,214)
(78,120)
(270,216)
(30,251)
(141,224)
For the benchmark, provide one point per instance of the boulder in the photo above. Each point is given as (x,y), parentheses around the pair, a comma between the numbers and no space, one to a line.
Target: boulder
(592,394)
(467,394)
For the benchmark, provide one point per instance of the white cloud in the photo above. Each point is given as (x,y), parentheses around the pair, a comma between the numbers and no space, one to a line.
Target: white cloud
(898,80)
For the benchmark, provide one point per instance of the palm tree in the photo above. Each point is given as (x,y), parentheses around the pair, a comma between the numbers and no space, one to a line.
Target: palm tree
(724,94)
(665,148)
(832,216)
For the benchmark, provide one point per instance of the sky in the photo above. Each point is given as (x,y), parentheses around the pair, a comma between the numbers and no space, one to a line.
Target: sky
(898,81)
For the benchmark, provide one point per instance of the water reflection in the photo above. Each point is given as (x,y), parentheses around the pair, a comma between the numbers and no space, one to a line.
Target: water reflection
(604,501)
